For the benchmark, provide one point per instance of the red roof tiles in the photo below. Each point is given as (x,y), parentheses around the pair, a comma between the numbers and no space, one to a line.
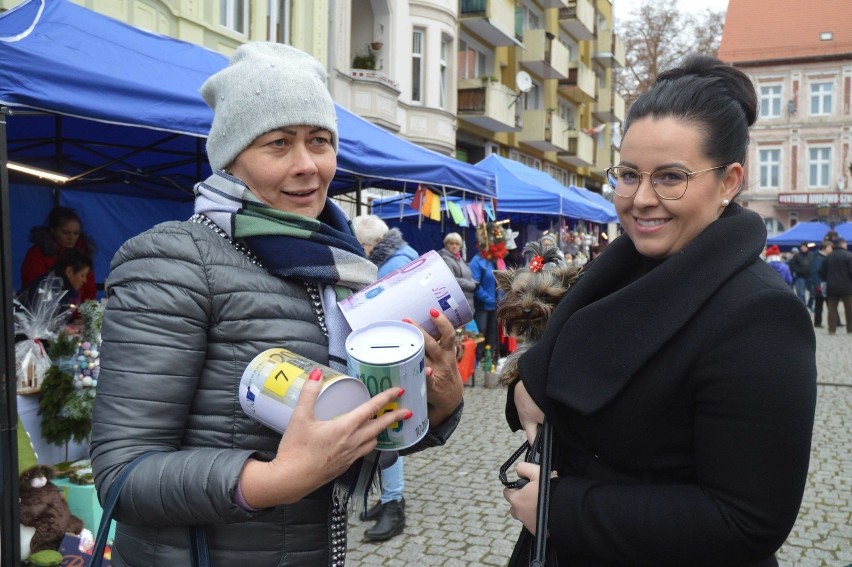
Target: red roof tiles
(766,30)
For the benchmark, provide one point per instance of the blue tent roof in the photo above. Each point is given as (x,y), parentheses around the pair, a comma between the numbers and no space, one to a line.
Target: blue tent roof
(517,179)
(141,91)
(809,232)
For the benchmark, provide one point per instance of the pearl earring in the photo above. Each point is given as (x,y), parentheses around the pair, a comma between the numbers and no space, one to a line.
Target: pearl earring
(725,202)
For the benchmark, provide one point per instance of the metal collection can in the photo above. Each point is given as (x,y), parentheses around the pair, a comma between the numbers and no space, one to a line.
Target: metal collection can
(271,384)
(389,354)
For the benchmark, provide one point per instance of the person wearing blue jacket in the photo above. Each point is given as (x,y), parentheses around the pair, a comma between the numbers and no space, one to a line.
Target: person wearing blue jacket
(387,249)
(491,240)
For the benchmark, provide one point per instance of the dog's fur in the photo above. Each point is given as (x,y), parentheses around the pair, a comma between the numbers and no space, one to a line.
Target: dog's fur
(44,508)
(528,300)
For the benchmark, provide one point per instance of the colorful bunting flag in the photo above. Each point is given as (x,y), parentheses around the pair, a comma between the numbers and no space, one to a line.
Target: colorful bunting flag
(456,213)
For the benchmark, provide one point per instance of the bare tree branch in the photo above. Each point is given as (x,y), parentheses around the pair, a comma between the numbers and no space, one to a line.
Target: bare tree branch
(657,35)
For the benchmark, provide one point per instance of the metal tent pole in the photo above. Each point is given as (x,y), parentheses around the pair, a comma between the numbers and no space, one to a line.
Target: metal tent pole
(10,513)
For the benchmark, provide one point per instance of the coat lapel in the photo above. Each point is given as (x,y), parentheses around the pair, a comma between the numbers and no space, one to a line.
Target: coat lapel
(586,368)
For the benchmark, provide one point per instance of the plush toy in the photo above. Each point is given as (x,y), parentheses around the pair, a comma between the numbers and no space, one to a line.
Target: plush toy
(44,508)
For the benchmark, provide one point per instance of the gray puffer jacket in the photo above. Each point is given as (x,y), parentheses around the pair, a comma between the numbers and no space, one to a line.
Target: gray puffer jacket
(186,313)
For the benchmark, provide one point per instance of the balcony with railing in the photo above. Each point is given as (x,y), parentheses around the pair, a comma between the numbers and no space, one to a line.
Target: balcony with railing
(487,104)
(609,106)
(491,20)
(578,19)
(544,130)
(609,49)
(580,84)
(544,55)
(581,150)
(375,97)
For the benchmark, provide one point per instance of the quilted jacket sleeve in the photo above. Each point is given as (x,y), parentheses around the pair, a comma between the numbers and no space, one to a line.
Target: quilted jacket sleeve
(155,337)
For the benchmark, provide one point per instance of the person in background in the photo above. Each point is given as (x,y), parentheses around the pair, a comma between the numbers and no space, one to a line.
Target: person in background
(800,268)
(681,437)
(773,258)
(386,248)
(836,272)
(817,284)
(71,269)
(260,265)
(452,255)
(550,240)
(491,240)
(62,230)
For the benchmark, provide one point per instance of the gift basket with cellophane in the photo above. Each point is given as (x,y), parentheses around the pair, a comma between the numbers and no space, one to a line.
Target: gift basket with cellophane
(41,321)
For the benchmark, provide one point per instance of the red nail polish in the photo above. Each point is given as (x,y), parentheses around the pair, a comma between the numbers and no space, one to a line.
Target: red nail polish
(401,392)
(407,320)
(429,372)
(434,312)
(315,375)
(407,415)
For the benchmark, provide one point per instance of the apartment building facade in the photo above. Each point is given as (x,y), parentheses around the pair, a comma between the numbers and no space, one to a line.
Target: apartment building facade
(799,166)
(528,79)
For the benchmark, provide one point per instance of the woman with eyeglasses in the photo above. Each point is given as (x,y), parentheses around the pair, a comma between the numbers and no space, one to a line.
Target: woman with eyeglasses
(681,437)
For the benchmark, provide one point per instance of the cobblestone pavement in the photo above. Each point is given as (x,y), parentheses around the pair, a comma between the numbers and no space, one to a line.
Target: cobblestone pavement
(456,515)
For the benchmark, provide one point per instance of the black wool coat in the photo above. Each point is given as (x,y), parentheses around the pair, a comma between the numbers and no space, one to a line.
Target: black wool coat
(682,397)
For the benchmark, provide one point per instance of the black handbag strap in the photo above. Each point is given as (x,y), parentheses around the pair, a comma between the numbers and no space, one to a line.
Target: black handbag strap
(199,549)
(546,440)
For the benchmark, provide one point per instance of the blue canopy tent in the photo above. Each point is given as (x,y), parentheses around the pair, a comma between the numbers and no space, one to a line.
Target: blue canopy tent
(520,205)
(521,202)
(574,203)
(116,110)
(809,232)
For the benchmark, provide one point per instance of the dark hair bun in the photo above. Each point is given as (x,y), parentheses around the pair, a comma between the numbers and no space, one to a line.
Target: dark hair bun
(735,83)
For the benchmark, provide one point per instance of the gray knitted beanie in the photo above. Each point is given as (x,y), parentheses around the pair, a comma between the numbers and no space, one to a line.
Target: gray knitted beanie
(264,87)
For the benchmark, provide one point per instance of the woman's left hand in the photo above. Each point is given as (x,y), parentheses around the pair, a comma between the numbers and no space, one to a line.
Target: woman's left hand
(444,388)
(524,501)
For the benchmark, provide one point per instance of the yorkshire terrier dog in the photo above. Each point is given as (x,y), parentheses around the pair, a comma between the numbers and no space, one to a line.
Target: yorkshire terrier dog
(529,296)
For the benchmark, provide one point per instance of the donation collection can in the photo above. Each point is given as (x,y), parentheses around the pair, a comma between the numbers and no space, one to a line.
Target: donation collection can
(410,292)
(389,354)
(273,380)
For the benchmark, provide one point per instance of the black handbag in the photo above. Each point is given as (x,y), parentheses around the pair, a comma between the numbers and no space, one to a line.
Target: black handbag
(532,550)
(199,550)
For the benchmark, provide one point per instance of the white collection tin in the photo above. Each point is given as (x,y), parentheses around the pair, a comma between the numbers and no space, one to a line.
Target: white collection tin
(410,292)
(273,380)
(389,354)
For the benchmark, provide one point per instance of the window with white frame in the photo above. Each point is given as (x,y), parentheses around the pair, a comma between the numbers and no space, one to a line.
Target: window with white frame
(234,15)
(279,21)
(568,113)
(532,18)
(821,98)
(770,168)
(445,55)
(417,65)
(525,159)
(819,166)
(770,101)
(472,61)
(532,98)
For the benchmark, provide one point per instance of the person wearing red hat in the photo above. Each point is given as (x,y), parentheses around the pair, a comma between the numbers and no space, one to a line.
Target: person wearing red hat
(773,258)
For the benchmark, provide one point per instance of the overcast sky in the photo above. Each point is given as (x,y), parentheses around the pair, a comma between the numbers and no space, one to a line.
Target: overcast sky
(622,8)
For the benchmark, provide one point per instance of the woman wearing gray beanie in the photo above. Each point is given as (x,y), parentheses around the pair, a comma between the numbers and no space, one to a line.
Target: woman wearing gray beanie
(261,264)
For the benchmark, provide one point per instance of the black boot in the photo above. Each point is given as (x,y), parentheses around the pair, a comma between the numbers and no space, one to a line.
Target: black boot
(371,514)
(390,523)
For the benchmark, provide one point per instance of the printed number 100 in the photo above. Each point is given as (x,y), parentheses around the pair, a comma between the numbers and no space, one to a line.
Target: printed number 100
(376,385)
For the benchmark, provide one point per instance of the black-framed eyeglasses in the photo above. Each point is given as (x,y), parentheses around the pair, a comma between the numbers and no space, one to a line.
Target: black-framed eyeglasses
(669,183)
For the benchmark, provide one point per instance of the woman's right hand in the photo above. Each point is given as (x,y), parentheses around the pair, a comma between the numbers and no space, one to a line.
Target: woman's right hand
(529,414)
(313,452)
